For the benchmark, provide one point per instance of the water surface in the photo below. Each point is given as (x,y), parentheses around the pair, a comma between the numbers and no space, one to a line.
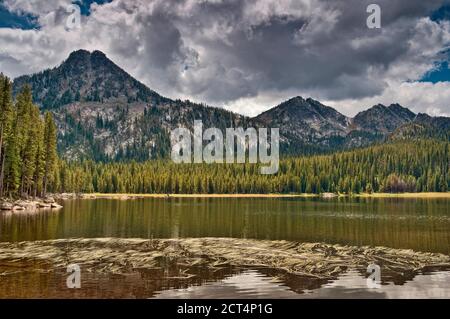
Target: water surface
(418,224)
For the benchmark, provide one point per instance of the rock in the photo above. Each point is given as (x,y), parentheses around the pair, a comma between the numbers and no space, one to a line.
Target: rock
(29,205)
(55,205)
(86,196)
(49,200)
(6,206)
(64,196)
(22,203)
(328,195)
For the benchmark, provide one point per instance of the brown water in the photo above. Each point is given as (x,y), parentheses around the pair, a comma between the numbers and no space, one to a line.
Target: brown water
(418,224)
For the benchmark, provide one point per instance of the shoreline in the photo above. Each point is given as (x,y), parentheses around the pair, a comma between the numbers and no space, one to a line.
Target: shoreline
(51,201)
(405,195)
(124,196)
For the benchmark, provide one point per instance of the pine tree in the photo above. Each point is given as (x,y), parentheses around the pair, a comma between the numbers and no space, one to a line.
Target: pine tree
(12,162)
(6,117)
(39,160)
(50,155)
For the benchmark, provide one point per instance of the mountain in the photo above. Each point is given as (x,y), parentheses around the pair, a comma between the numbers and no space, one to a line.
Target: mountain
(317,127)
(423,126)
(306,119)
(383,119)
(86,77)
(307,125)
(103,113)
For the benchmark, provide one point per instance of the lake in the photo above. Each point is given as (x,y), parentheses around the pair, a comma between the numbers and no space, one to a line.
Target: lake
(422,225)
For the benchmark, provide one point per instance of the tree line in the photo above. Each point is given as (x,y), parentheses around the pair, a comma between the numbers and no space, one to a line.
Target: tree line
(29,165)
(28,157)
(402,166)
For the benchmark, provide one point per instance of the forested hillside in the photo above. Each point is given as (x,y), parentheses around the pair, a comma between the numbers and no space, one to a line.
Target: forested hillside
(408,166)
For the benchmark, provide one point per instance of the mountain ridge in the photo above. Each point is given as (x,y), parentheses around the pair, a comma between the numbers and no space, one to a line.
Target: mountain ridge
(103,113)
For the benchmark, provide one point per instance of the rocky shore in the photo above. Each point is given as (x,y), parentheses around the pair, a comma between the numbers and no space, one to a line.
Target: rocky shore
(32,204)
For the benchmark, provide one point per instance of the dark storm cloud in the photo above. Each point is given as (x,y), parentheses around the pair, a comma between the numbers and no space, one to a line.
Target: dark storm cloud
(217,51)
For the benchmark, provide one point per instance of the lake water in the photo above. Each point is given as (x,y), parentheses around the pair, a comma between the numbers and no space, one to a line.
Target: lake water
(418,224)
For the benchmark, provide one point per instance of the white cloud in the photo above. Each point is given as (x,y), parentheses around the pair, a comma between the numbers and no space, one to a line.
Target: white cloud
(420,97)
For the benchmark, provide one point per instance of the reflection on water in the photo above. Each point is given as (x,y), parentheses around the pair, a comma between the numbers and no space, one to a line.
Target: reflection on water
(248,284)
(351,285)
(227,282)
(254,284)
(419,224)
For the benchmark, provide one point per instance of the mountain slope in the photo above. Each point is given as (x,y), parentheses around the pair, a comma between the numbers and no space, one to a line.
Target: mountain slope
(383,119)
(103,113)
(307,125)
(306,118)
(86,77)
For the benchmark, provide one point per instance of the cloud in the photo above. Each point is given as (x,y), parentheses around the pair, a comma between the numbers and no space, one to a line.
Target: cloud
(420,97)
(247,55)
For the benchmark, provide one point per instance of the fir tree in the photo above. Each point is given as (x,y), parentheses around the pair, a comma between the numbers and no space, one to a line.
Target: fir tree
(50,155)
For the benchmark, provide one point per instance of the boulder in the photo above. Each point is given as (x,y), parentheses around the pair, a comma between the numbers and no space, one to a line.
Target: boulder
(26,204)
(49,200)
(55,205)
(6,206)
(328,195)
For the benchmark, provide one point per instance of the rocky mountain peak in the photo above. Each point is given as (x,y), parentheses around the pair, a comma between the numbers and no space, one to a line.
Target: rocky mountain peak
(78,55)
(383,119)
(85,77)
(306,119)
(402,112)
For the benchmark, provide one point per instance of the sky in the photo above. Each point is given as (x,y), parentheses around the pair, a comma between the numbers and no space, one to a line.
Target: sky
(248,55)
